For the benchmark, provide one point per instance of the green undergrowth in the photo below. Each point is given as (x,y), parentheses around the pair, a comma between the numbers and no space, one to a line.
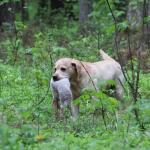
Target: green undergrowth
(24,81)
(23,87)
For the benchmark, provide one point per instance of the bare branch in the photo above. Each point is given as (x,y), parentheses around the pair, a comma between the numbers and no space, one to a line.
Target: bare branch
(103,110)
(84,68)
(139,54)
(116,41)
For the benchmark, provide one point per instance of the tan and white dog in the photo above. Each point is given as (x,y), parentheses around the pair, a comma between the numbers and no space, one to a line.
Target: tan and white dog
(107,69)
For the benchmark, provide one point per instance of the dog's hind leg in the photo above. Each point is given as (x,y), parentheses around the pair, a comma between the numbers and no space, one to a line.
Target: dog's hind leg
(119,95)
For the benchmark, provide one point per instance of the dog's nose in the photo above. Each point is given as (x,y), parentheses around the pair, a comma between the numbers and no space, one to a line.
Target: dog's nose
(55,77)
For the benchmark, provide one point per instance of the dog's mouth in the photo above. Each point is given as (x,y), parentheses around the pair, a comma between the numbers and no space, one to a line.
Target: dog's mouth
(55,78)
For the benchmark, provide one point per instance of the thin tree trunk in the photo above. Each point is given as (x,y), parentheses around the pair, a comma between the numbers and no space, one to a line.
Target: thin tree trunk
(24,10)
(134,16)
(17,6)
(85,8)
(7,15)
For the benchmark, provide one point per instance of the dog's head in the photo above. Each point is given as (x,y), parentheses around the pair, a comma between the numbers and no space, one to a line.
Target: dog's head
(67,68)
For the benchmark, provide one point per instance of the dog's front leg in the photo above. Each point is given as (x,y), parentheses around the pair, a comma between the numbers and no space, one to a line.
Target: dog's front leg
(56,106)
(75,110)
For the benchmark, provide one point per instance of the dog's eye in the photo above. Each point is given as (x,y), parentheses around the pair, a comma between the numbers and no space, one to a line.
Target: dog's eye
(63,69)
(55,70)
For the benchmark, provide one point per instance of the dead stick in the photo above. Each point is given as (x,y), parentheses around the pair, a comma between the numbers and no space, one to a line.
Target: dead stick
(103,111)
(139,54)
(84,67)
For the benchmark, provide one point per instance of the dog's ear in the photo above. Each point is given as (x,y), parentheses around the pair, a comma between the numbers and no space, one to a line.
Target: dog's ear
(76,66)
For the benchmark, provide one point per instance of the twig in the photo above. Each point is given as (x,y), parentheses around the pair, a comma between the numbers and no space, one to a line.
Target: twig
(50,55)
(131,57)
(38,107)
(115,31)
(15,51)
(84,67)
(97,58)
(122,85)
(133,90)
(116,42)
(49,42)
(103,115)
(128,123)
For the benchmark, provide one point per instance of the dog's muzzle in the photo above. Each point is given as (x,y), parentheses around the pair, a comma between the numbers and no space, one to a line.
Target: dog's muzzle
(55,78)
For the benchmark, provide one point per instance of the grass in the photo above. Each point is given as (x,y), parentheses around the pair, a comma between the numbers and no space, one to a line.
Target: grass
(22,89)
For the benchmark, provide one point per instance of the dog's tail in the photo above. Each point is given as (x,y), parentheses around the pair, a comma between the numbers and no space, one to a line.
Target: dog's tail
(105,56)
